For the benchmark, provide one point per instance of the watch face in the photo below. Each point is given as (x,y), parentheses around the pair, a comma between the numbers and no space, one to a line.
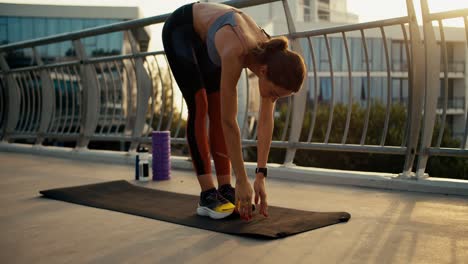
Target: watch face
(262,170)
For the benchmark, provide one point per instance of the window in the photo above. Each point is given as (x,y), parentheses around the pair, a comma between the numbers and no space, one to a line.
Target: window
(325,89)
(307,11)
(399,62)
(3,30)
(324,15)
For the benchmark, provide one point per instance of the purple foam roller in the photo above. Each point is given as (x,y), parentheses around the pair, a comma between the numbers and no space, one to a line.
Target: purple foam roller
(161,142)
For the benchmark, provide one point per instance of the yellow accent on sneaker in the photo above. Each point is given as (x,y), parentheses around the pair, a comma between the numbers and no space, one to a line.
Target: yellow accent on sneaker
(224,208)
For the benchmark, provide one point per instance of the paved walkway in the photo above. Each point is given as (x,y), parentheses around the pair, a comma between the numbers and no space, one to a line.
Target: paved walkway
(386,226)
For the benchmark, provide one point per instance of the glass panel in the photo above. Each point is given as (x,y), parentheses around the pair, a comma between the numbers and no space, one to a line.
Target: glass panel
(14,29)
(3,34)
(325,89)
(53,50)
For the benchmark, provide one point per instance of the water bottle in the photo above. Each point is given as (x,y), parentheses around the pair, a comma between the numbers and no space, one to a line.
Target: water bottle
(143,165)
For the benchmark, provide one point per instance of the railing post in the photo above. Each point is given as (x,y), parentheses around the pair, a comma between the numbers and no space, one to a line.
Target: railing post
(144,88)
(91,97)
(13,99)
(47,98)
(464,143)
(299,99)
(432,56)
(416,92)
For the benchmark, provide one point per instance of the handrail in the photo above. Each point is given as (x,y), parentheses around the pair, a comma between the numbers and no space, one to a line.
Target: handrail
(119,26)
(124,97)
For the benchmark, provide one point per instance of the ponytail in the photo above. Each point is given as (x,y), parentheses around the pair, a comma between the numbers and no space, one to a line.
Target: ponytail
(266,49)
(285,68)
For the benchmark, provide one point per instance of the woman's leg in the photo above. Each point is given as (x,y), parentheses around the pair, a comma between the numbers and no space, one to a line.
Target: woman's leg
(212,79)
(178,37)
(217,140)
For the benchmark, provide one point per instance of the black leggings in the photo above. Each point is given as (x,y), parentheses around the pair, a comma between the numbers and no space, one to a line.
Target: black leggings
(199,81)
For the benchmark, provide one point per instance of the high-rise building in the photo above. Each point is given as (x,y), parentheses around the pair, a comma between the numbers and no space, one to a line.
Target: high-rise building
(20,22)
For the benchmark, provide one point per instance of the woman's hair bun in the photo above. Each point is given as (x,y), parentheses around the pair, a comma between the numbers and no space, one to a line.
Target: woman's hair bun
(276,44)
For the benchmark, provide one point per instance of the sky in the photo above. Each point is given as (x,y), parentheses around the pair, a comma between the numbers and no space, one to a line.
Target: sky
(367,10)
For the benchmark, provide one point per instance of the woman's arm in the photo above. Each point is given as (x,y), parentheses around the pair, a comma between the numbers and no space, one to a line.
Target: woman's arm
(265,131)
(230,75)
(231,52)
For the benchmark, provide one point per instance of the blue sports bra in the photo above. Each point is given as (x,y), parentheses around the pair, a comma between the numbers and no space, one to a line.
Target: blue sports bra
(223,20)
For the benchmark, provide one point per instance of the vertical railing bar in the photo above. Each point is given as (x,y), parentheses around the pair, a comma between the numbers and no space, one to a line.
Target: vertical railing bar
(444,57)
(153,88)
(24,123)
(314,112)
(105,79)
(79,99)
(60,112)
(109,80)
(60,81)
(171,116)
(27,103)
(246,116)
(34,112)
(410,77)
(39,99)
(332,102)
(102,80)
(249,118)
(288,117)
(22,116)
(56,128)
(72,92)
(246,109)
(66,100)
(254,136)
(138,91)
(163,96)
(31,102)
(368,103)
(389,88)
(465,136)
(114,106)
(5,106)
(2,106)
(117,68)
(129,96)
(54,110)
(350,100)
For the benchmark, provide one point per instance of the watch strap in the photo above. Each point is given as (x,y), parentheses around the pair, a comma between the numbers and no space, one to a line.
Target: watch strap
(262,170)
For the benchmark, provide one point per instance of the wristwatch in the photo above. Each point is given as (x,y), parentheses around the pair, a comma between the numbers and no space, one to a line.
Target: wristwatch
(262,170)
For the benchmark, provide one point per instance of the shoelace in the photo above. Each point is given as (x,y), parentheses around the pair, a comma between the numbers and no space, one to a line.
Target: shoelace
(217,196)
(228,190)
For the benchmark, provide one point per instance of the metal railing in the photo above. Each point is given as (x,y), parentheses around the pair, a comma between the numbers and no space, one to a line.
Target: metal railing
(432,62)
(125,97)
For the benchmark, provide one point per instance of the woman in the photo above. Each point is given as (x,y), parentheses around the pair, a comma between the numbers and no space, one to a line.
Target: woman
(207,46)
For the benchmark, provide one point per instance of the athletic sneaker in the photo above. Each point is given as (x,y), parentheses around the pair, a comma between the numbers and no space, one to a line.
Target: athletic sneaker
(228,192)
(214,205)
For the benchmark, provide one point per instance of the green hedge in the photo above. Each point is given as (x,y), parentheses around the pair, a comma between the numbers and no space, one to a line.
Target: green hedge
(447,167)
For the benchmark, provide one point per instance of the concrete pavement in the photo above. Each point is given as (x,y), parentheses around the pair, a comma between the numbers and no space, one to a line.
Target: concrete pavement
(386,226)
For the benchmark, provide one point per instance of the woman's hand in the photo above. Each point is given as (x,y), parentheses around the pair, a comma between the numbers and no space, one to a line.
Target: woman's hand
(260,194)
(244,199)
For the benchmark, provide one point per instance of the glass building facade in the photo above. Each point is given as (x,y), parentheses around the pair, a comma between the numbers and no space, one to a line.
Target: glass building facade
(15,29)
(340,85)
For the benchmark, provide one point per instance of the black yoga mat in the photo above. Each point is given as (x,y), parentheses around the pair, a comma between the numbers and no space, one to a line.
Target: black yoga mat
(177,208)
